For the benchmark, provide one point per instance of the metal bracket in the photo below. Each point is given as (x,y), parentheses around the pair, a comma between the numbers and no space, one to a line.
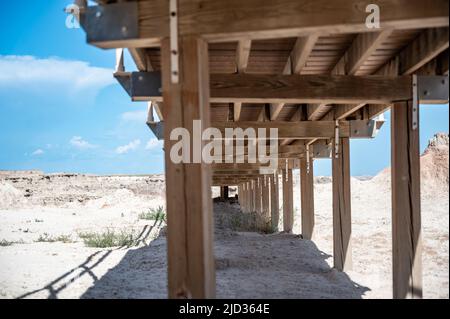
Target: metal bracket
(112,22)
(428,90)
(174,54)
(364,129)
(415,105)
(322,151)
(308,159)
(140,86)
(432,89)
(157,128)
(336,140)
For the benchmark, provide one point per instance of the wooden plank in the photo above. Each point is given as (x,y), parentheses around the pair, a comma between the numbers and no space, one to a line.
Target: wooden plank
(307,198)
(191,270)
(272,19)
(342,227)
(288,203)
(305,89)
(406,215)
(274,201)
(428,45)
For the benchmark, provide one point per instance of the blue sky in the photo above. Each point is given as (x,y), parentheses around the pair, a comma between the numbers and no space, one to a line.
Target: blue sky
(61,109)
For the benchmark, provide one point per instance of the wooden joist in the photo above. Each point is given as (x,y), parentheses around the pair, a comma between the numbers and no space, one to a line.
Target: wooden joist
(428,45)
(270,19)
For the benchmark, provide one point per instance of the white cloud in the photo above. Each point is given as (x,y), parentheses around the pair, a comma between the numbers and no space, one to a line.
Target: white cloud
(78,142)
(74,75)
(153,143)
(133,145)
(38,152)
(134,116)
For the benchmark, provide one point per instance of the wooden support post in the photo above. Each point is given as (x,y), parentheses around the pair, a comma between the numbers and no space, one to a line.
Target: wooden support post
(274,201)
(406,215)
(288,205)
(266,202)
(191,270)
(252,196)
(224,191)
(258,202)
(307,197)
(342,227)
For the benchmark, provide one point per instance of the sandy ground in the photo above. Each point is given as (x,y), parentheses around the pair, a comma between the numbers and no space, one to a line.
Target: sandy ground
(248,264)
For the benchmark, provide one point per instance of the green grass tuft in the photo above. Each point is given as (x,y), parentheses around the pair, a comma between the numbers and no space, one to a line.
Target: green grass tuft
(5,243)
(157,214)
(46,238)
(108,238)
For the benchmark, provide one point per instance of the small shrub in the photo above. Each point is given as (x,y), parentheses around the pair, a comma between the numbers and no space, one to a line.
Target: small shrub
(5,243)
(108,238)
(46,238)
(157,214)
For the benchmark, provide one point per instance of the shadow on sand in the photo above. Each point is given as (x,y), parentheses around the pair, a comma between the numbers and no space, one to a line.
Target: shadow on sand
(248,265)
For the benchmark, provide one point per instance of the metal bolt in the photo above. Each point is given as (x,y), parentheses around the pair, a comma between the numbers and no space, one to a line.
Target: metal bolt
(140,78)
(124,30)
(174,52)
(426,93)
(98,14)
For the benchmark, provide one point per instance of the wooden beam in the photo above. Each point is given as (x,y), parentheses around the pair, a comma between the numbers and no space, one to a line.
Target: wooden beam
(216,20)
(304,89)
(191,271)
(307,197)
(406,215)
(295,130)
(288,203)
(274,201)
(342,224)
(429,44)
